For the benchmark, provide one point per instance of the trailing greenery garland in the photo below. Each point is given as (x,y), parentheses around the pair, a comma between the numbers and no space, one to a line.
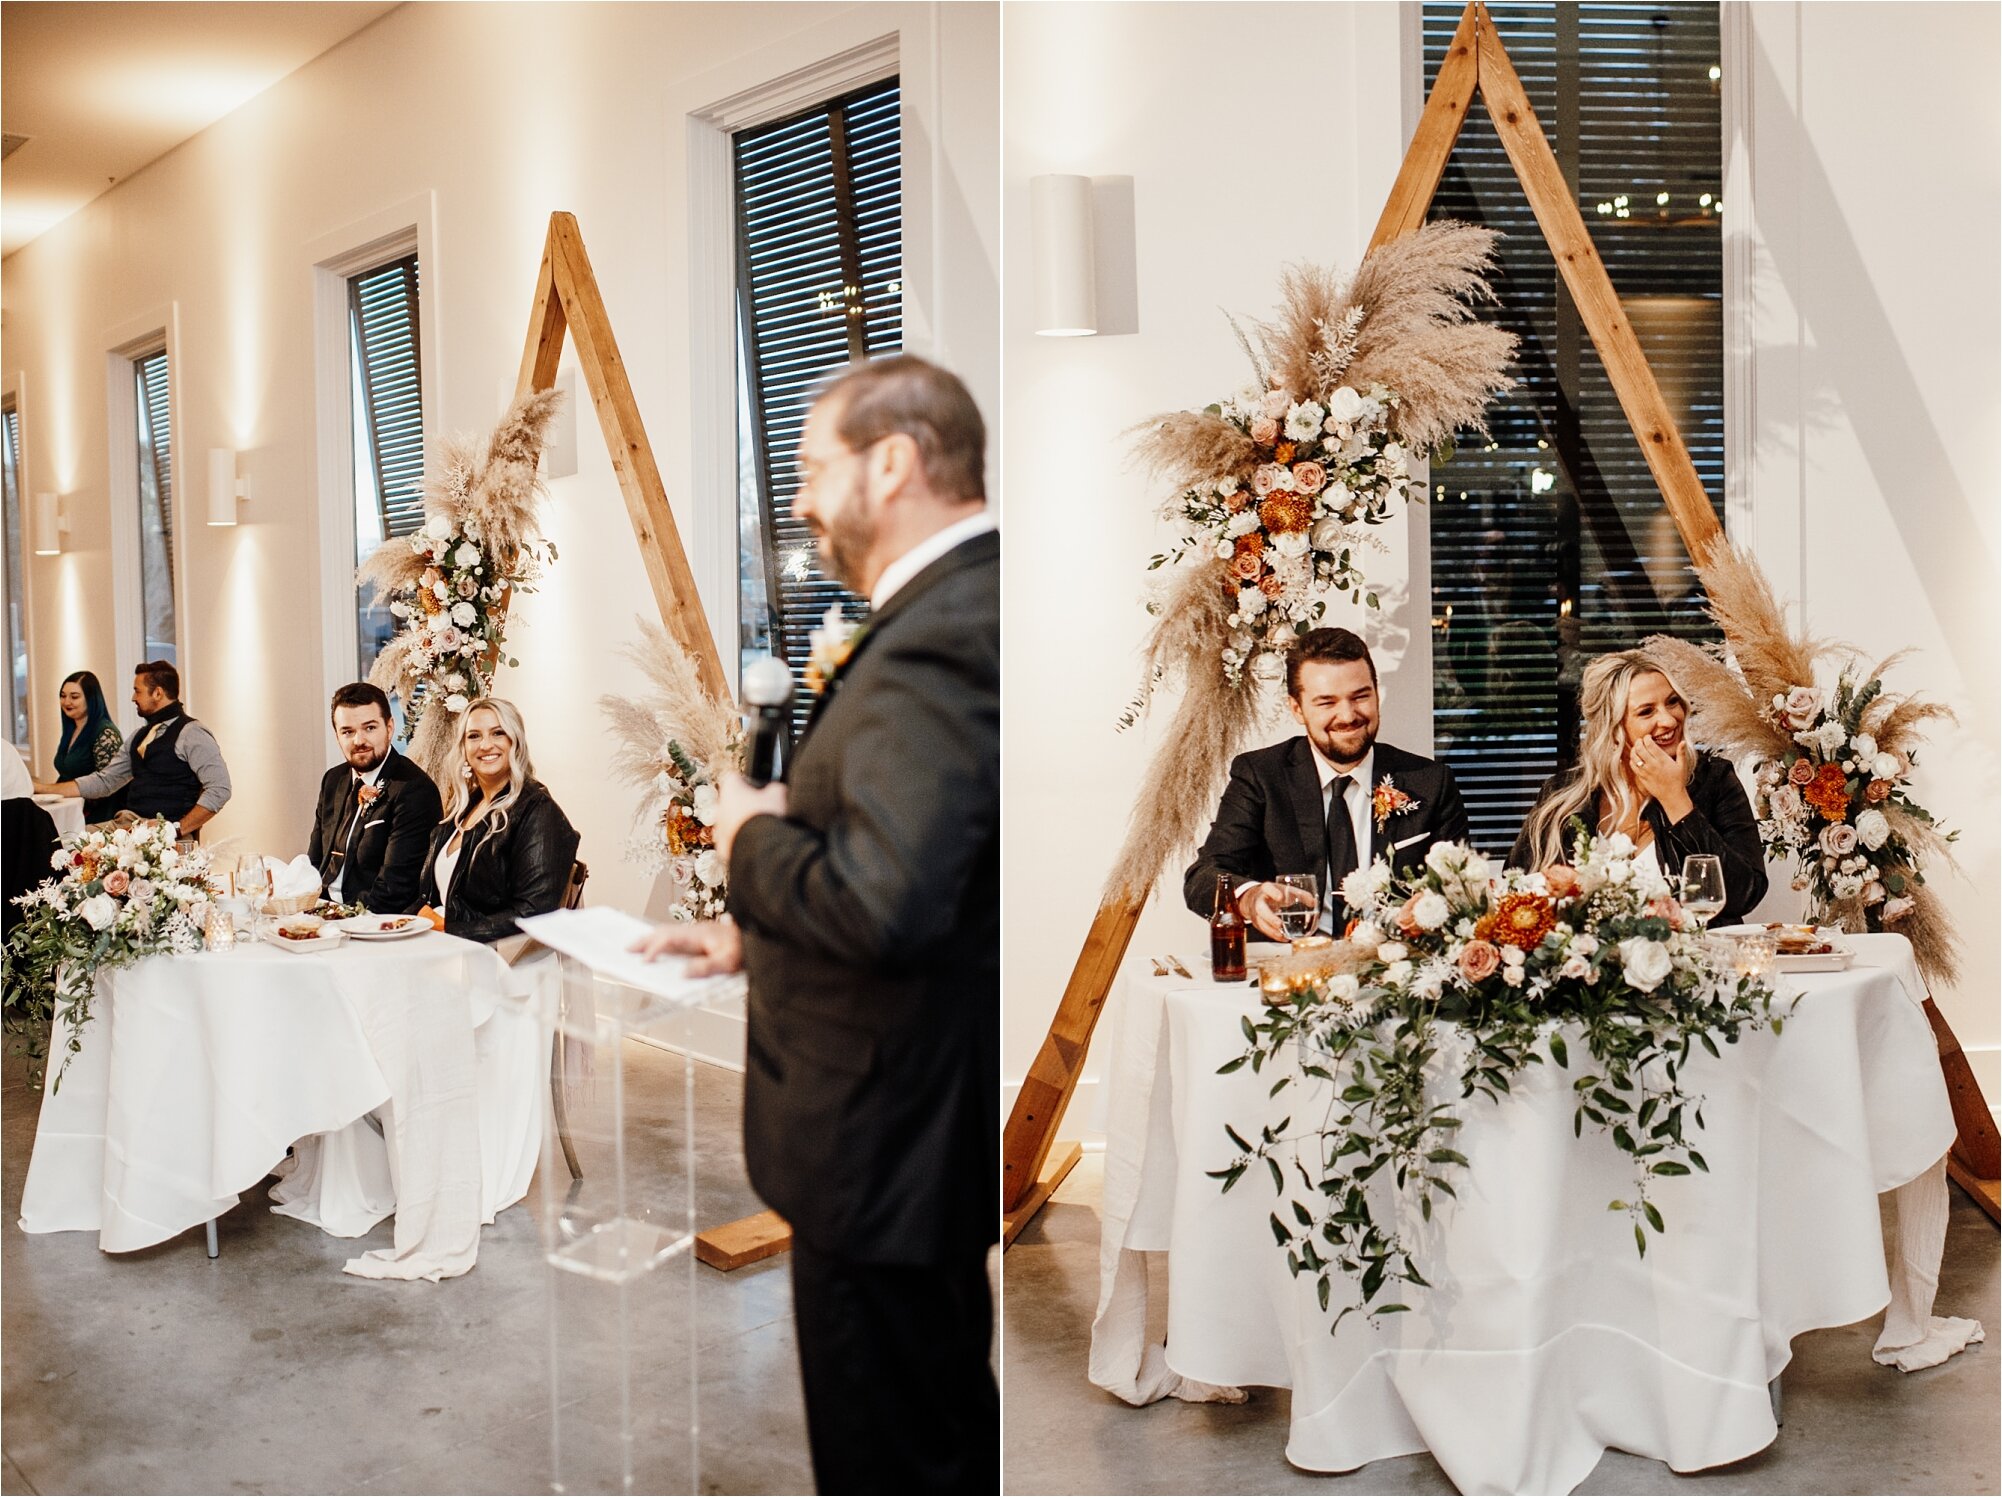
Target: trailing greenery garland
(1460,974)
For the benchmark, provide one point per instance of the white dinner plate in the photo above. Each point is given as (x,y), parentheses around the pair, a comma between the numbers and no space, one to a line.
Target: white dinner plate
(328,938)
(372,927)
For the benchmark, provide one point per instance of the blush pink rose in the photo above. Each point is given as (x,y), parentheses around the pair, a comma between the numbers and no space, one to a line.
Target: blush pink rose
(1265,431)
(1876,791)
(1662,907)
(1801,773)
(1248,564)
(1407,917)
(1479,960)
(1270,585)
(1561,879)
(1803,706)
(117,881)
(1839,841)
(1309,478)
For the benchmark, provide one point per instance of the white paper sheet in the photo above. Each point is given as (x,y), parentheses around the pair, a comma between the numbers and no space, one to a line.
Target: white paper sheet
(600,938)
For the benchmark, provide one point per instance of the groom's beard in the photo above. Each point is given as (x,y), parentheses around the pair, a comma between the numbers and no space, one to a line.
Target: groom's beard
(1344,745)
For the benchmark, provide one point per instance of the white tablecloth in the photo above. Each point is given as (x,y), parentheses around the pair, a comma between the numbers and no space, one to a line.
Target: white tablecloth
(197,1072)
(1546,1339)
(66,811)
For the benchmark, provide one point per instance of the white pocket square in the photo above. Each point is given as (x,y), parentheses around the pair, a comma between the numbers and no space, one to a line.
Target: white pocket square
(380,819)
(1420,837)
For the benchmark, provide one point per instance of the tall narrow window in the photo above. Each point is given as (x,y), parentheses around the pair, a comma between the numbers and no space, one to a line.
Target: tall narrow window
(17,633)
(1550,541)
(388,426)
(156,508)
(819,285)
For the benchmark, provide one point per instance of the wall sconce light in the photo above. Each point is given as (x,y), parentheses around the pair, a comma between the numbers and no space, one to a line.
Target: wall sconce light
(1060,219)
(226,490)
(50,523)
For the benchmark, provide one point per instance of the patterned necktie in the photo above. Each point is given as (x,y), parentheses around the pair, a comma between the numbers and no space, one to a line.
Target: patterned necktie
(1341,841)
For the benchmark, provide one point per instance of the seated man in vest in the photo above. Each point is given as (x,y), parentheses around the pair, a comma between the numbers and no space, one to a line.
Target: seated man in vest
(372,825)
(1328,802)
(172,764)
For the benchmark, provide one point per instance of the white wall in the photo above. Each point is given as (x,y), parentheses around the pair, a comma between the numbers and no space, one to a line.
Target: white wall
(491,116)
(1255,135)
(1868,314)
(1876,383)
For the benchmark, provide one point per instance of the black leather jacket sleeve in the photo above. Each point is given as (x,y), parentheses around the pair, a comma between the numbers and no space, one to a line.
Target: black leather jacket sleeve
(1720,822)
(521,870)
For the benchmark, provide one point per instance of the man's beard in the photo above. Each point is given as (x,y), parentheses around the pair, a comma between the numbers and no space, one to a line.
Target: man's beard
(845,544)
(1326,743)
(365,765)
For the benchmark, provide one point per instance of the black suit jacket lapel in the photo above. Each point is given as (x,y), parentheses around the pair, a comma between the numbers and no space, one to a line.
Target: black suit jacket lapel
(1303,788)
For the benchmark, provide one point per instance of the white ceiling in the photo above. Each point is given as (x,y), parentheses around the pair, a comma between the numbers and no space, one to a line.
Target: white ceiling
(101,90)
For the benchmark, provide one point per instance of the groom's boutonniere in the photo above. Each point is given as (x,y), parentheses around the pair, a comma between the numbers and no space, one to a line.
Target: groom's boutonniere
(828,648)
(367,794)
(1387,801)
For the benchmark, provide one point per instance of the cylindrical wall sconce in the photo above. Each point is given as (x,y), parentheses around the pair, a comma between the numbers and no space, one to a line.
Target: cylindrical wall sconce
(49,524)
(225,488)
(1060,219)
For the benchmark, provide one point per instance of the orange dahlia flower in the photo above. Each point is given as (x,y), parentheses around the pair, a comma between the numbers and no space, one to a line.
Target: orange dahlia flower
(1828,793)
(1285,511)
(1520,920)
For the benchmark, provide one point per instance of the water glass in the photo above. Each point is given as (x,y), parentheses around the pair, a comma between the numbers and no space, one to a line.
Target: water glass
(1703,886)
(1300,904)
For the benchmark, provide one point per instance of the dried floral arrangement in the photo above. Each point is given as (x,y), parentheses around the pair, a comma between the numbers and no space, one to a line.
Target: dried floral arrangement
(451,582)
(674,744)
(1834,763)
(1275,489)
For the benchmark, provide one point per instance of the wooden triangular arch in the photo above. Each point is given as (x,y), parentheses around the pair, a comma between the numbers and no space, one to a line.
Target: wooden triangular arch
(1476,63)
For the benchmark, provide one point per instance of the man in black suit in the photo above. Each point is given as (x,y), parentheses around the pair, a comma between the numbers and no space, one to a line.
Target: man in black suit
(375,812)
(866,901)
(1328,802)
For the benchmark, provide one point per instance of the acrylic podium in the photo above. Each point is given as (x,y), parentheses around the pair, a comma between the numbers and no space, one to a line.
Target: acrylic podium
(617,1209)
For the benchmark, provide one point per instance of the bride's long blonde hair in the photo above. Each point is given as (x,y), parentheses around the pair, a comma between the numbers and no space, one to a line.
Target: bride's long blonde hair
(1602,754)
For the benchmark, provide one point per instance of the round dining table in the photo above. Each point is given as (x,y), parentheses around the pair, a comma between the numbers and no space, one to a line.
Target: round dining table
(1545,1338)
(404,1077)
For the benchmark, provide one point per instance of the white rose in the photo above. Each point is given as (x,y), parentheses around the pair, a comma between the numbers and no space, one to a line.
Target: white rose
(455,682)
(1225,550)
(1326,533)
(1884,767)
(1392,951)
(1345,987)
(1574,968)
(169,858)
(705,804)
(1290,543)
(1225,487)
(1644,962)
(1303,422)
(1512,976)
(99,911)
(463,615)
(456,703)
(1514,956)
(438,528)
(1863,746)
(399,610)
(710,867)
(1585,943)
(440,591)
(1431,911)
(1443,857)
(466,558)
(1397,974)
(1873,829)
(1344,405)
(1475,869)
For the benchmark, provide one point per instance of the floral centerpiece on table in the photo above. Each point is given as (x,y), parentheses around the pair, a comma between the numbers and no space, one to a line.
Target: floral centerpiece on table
(1464,973)
(450,584)
(1833,766)
(121,894)
(675,743)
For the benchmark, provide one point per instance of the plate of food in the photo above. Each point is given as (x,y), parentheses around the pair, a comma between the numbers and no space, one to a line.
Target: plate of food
(1799,948)
(304,933)
(385,927)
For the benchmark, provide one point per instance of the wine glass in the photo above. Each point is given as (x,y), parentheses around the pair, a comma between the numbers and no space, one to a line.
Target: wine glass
(1300,904)
(1703,886)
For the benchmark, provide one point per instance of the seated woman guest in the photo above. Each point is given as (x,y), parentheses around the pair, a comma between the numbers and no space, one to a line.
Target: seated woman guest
(505,847)
(90,740)
(1637,774)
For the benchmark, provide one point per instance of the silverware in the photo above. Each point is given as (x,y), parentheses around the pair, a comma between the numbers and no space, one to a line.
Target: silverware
(1159,970)
(1180,970)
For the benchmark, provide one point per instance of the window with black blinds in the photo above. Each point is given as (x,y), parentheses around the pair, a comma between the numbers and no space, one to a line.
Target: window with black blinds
(1550,541)
(819,286)
(386,390)
(156,506)
(17,632)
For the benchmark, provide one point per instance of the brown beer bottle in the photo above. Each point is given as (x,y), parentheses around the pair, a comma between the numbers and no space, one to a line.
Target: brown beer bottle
(1226,934)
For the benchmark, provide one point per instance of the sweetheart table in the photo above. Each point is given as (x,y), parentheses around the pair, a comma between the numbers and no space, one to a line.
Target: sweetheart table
(1545,1339)
(406,1076)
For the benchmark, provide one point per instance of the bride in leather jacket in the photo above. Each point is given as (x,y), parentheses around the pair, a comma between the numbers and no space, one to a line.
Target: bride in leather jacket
(505,848)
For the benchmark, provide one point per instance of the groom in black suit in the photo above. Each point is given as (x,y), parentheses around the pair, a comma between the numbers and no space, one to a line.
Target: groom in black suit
(1328,802)
(375,812)
(865,895)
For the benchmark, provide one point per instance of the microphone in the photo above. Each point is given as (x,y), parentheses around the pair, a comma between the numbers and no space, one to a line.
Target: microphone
(768,696)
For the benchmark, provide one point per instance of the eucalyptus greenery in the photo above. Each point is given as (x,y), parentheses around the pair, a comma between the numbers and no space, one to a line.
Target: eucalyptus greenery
(1448,987)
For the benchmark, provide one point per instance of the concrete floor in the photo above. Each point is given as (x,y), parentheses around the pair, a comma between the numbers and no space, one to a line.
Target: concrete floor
(1851,1426)
(269,1370)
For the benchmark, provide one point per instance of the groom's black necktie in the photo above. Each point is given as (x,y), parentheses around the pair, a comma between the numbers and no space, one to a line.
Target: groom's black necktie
(1341,841)
(337,849)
